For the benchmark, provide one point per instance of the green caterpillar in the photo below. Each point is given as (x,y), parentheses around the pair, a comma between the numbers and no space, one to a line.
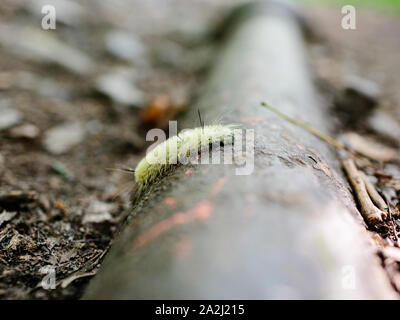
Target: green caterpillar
(168,153)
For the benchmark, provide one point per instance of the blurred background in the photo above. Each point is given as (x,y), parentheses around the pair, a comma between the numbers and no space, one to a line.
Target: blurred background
(76,102)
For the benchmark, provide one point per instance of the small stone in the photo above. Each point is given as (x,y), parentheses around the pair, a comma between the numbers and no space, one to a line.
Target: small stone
(6,216)
(62,138)
(9,116)
(118,85)
(125,46)
(25,131)
(98,212)
(385,124)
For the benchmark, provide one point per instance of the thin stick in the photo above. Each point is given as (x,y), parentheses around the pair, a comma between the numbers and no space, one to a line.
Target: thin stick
(320,135)
(372,214)
(375,196)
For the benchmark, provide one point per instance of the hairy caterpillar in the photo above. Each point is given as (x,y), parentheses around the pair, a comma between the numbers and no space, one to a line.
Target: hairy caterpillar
(168,153)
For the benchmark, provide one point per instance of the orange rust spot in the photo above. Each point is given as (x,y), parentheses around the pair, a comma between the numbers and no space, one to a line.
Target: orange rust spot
(218,186)
(170,201)
(201,211)
(188,172)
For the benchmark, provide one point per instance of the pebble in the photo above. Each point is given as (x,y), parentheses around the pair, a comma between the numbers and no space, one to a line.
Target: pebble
(98,212)
(125,46)
(9,116)
(385,124)
(25,131)
(62,138)
(118,85)
(6,216)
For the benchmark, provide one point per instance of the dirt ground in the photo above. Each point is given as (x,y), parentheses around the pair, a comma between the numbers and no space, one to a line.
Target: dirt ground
(61,206)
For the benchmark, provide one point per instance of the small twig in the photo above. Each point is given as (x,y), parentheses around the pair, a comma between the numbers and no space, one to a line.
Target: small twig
(372,214)
(320,135)
(67,281)
(371,149)
(375,196)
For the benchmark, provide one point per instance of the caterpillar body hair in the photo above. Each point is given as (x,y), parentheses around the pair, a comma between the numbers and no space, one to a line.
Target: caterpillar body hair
(188,142)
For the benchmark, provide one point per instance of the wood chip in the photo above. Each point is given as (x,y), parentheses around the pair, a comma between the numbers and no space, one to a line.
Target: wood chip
(6,216)
(371,149)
